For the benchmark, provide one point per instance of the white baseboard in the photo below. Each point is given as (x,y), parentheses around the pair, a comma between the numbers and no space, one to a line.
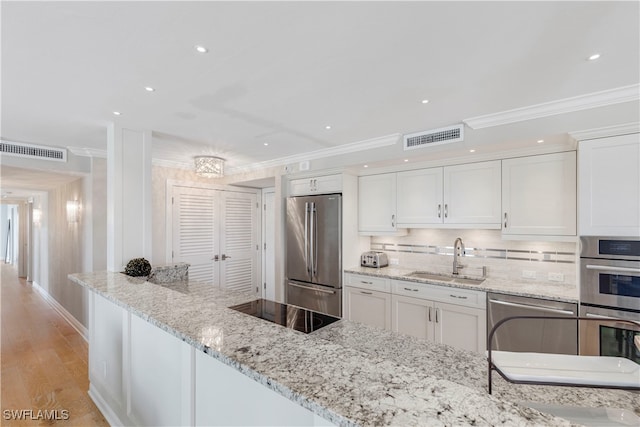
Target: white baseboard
(75,324)
(112,418)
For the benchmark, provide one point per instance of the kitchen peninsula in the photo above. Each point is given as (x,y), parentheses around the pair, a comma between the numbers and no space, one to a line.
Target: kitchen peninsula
(344,374)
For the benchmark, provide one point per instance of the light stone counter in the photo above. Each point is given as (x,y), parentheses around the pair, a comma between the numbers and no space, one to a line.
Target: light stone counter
(557,292)
(347,373)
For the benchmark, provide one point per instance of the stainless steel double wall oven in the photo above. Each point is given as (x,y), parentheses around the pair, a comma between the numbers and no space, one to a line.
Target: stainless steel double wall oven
(610,287)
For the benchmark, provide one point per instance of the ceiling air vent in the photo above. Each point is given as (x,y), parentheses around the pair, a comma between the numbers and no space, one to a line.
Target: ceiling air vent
(434,137)
(33,151)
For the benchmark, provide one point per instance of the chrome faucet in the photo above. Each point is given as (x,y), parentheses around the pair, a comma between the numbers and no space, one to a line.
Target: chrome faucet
(458,250)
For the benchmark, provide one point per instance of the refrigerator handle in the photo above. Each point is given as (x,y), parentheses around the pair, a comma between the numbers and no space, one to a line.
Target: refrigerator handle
(315,239)
(312,239)
(306,236)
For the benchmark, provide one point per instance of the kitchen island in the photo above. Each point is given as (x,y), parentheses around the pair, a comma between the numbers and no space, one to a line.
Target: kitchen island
(344,374)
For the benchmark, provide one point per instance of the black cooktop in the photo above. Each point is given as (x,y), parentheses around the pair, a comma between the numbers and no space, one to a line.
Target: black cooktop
(290,316)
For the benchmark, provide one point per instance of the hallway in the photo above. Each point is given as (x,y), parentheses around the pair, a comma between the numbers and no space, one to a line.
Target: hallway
(44,361)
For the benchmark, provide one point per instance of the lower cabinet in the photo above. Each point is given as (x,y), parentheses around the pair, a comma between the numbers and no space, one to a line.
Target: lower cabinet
(141,375)
(368,307)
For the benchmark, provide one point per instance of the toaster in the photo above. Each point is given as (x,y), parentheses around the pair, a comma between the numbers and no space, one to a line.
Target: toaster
(374,259)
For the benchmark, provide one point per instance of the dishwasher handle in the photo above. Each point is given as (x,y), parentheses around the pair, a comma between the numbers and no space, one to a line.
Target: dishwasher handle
(533,307)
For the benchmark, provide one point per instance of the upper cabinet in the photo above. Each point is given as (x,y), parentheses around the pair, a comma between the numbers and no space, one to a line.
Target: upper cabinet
(539,195)
(609,183)
(458,196)
(377,204)
(316,185)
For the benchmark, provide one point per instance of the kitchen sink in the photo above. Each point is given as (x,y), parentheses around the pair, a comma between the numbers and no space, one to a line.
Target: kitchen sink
(444,278)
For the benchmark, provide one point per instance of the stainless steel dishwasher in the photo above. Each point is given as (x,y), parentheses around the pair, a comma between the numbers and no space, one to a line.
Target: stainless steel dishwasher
(532,335)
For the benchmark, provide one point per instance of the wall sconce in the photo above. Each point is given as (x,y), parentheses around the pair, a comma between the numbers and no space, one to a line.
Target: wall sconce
(36,216)
(73,211)
(209,166)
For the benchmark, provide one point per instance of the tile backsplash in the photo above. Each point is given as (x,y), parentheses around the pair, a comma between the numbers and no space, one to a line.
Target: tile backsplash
(432,249)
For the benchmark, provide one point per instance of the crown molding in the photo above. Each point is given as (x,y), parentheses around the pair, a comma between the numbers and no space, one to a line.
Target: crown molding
(88,152)
(339,150)
(603,132)
(561,106)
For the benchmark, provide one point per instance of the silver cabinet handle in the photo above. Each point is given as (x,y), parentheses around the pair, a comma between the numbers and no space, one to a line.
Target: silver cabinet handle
(393,220)
(505,220)
(225,257)
(608,268)
(437,310)
(439,210)
(306,237)
(446,210)
(457,296)
(409,289)
(366,293)
(366,283)
(429,314)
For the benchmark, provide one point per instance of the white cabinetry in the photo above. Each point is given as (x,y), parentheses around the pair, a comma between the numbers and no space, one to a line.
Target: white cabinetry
(609,182)
(436,313)
(458,196)
(316,185)
(472,194)
(377,204)
(539,195)
(367,300)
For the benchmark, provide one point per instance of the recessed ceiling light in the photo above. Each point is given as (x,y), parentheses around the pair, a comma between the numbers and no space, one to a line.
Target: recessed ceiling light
(265,144)
(327,127)
(594,57)
(540,141)
(149,89)
(365,166)
(116,113)
(406,160)
(472,151)
(201,49)
(425,101)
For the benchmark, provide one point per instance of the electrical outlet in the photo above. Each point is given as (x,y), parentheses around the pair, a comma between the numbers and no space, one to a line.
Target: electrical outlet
(556,277)
(528,274)
(394,261)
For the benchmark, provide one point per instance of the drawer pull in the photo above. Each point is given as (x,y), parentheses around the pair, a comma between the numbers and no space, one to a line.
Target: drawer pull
(366,283)
(409,289)
(457,296)
(366,293)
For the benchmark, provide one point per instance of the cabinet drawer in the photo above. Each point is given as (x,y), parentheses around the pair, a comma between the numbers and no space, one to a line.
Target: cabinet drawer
(368,282)
(451,295)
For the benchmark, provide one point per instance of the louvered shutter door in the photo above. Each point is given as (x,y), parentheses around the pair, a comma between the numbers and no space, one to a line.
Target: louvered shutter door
(238,241)
(194,231)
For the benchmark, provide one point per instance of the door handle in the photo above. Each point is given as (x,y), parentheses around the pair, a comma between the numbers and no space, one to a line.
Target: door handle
(215,258)
(312,289)
(446,212)
(393,220)
(437,310)
(306,236)
(225,257)
(429,314)
(532,307)
(439,210)
(505,220)
(613,269)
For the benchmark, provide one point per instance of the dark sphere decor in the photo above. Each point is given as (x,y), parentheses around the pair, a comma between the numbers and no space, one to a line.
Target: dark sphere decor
(138,267)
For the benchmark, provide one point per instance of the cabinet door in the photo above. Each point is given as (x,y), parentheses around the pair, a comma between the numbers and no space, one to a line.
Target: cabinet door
(300,187)
(539,195)
(610,186)
(419,197)
(368,307)
(377,203)
(472,193)
(413,316)
(461,327)
(328,184)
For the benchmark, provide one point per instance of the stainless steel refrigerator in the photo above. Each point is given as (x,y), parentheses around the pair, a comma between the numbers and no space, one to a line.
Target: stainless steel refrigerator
(314,253)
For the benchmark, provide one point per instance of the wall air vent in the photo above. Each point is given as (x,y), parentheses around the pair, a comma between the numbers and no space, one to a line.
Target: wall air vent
(32,151)
(433,137)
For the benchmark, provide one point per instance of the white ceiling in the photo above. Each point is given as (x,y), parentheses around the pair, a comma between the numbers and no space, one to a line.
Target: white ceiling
(279,72)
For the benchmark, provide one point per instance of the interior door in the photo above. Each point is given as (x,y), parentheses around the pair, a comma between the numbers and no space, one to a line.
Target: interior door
(238,242)
(195,236)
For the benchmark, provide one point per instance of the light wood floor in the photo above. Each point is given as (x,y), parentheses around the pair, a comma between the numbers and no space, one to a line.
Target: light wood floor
(43,359)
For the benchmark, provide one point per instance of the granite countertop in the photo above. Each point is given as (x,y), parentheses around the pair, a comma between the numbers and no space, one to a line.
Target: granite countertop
(347,373)
(552,291)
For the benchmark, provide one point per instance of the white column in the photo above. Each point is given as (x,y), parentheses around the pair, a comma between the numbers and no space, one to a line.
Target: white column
(128,196)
